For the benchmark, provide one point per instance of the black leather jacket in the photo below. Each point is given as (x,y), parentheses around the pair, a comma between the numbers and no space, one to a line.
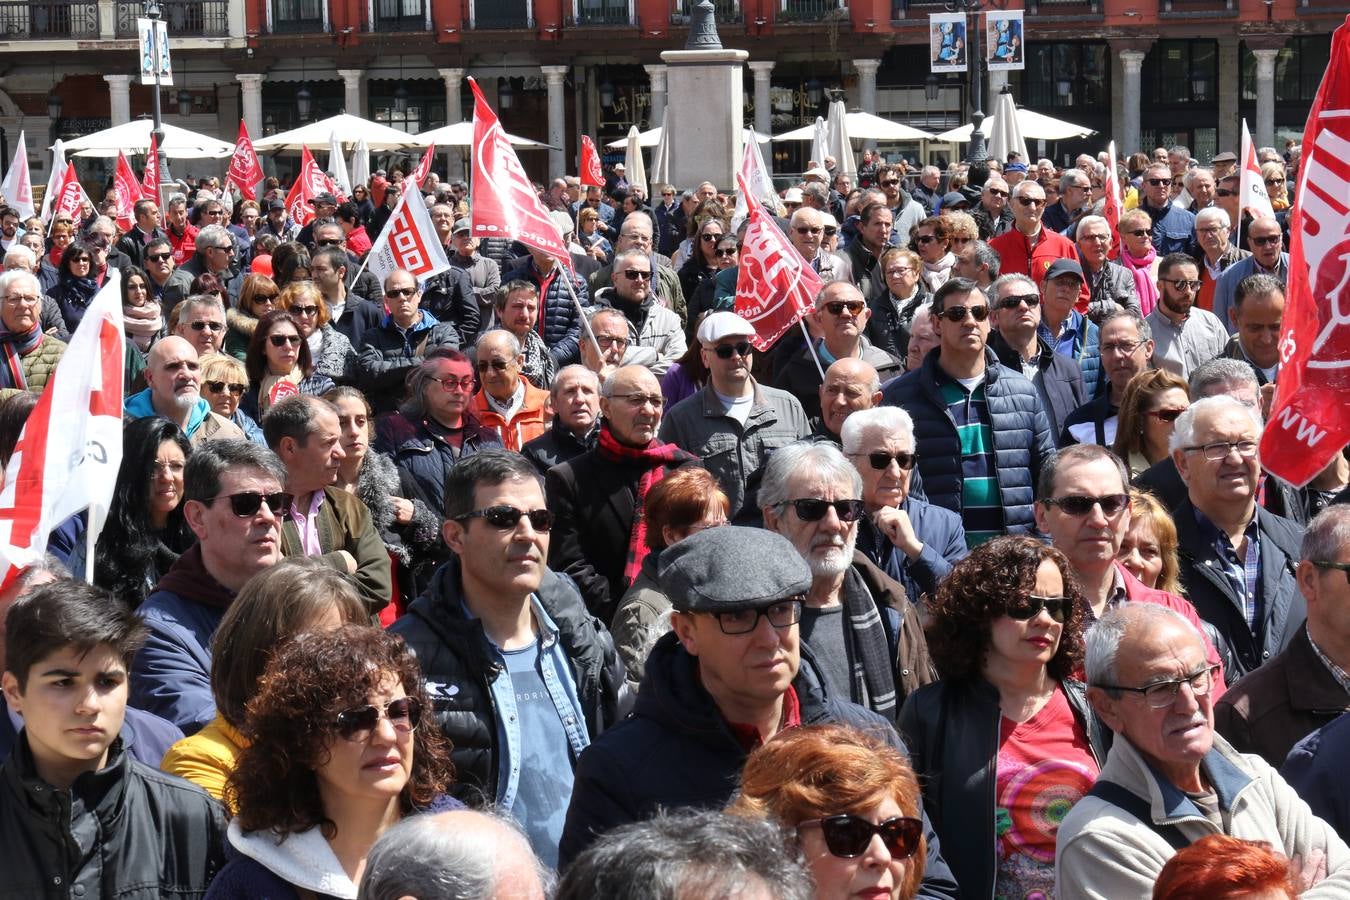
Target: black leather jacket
(952,729)
(126,831)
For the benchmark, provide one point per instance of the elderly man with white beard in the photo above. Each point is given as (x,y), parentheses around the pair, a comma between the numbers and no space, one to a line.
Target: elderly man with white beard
(862,629)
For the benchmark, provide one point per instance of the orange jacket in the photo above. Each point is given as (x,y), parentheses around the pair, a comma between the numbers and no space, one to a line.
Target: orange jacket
(529,422)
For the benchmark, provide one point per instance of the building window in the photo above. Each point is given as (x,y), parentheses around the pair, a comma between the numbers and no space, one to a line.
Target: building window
(1179,73)
(1065,74)
(1298,69)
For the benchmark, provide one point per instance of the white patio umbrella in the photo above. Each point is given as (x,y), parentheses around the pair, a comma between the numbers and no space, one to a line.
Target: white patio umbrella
(337,166)
(863,127)
(840,143)
(1007,130)
(652,136)
(634,169)
(1030,124)
(349,130)
(660,173)
(134,137)
(820,141)
(460,134)
(360,169)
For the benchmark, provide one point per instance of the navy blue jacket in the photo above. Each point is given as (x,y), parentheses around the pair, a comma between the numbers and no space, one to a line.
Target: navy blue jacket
(1022,439)
(1316,769)
(944,544)
(562,323)
(1061,379)
(423,460)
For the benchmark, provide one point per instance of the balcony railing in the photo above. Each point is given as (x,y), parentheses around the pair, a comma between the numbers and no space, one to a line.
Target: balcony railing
(1197,7)
(499,14)
(298,16)
(48,20)
(809,10)
(1062,7)
(193,18)
(399,15)
(727,11)
(601,12)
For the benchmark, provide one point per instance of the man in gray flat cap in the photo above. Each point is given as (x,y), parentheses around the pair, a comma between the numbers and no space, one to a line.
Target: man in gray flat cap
(731,675)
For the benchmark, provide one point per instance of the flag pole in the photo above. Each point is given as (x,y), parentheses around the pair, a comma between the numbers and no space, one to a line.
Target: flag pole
(90,539)
(811,345)
(581,310)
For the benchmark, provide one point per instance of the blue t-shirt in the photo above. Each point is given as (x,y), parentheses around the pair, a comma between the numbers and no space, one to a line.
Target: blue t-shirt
(545,785)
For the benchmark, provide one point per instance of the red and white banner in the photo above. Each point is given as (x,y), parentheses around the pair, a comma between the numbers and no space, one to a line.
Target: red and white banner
(54,176)
(128,191)
(1310,419)
(1252,195)
(503,200)
(70,196)
(150,180)
(423,169)
(245,171)
(409,242)
(311,182)
(756,175)
(18,184)
(69,462)
(775,287)
(1114,203)
(591,173)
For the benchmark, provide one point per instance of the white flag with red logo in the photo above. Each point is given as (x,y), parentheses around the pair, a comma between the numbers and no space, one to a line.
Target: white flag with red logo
(423,169)
(1252,195)
(755,174)
(775,287)
(1114,204)
(68,462)
(150,179)
(18,184)
(591,173)
(409,242)
(1310,420)
(308,184)
(503,200)
(128,191)
(70,196)
(245,171)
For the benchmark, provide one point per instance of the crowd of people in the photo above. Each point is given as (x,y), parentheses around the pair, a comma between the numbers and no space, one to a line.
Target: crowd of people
(973,585)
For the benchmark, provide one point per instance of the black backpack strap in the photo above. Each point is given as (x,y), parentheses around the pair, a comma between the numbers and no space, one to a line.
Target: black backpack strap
(1138,807)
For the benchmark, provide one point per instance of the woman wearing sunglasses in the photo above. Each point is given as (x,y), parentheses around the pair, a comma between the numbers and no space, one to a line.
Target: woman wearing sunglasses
(1152,401)
(702,262)
(336,757)
(279,364)
(76,283)
(932,241)
(224,384)
(1138,255)
(1005,743)
(852,803)
(330,349)
(257,298)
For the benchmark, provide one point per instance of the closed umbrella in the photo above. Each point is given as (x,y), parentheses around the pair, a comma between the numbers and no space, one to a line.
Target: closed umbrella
(360,171)
(660,161)
(634,168)
(840,147)
(337,166)
(1007,131)
(820,141)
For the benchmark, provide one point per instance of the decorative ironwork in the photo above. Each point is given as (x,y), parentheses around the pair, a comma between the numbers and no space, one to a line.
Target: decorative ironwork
(49,19)
(810,10)
(203,18)
(603,12)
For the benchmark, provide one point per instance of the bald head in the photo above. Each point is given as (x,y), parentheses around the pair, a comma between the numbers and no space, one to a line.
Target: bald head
(631,402)
(850,385)
(174,374)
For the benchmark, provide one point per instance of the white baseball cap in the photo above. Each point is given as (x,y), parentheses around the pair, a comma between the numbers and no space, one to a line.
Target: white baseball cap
(723,324)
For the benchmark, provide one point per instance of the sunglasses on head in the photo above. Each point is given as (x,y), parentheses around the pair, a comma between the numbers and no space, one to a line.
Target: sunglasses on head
(958,313)
(726,351)
(837,307)
(508,517)
(218,387)
(1031,300)
(811,509)
(847,836)
(282,340)
(247,503)
(881,460)
(359,723)
(1072,505)
(1028,607)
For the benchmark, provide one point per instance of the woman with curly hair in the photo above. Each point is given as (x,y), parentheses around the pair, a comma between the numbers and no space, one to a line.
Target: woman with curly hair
(1005,743)
(1149,550)
(852,802)
(1151,404)
(279,364)
(335,756)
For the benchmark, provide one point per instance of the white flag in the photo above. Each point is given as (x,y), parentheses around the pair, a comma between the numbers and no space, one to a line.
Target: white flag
(1252,195)
(408,241)
(18,185)
(757,177)
(360,170)
(54,179)
(69,462)
(337,166)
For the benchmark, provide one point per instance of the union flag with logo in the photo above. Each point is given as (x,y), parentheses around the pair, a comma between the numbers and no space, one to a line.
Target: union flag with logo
(591,173)
(774,285)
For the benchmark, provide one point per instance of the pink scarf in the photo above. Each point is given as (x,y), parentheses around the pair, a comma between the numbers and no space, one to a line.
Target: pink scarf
(1142,270)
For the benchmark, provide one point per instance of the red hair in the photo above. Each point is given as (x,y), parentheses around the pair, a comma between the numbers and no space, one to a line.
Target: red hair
(1219,867)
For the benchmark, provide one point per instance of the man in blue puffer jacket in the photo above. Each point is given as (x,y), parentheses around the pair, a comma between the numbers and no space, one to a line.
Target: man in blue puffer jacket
(980,430)
(559,322)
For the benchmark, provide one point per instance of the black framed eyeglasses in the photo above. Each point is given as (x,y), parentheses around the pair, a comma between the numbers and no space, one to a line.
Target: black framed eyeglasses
(812,509)
(1028,607)
(1162,694)
(881,460)
(1075,505)
(726,351)
(506,517)
(246,504)
(847,836)
(1341,567)
(359,723)
(743,621)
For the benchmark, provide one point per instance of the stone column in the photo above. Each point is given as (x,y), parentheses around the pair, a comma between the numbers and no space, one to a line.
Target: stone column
(351,91)
(454,83)
(1131,62)
(119,90)
(762,70)
(251,97)
(1230,83)
(867,89)
(657,76)
(1265,96)
(557,125)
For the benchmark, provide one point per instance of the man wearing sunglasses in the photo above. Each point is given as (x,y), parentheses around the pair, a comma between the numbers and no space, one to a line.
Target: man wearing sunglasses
(731,674)
(1185,336)
(992,215)
(213,254)
(1265,239)
(649,323)
(168,284)
(507,403)
(635,235)
(1173,226)
(1028,248)
(1169,780)
(733,423)
(1074,191)
(980,431)
(1237,558)
(403,338)
(806,232)
(174,374)
(201,322)
(233,502)
(520,677)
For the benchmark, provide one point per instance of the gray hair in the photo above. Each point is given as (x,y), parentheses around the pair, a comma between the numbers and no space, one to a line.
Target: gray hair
(215,236)
(805,456)
(817,192)
(1075,453)
(1211,214)
(596,312)
(293,418)
(1219,375)
(1183,432)
(930,170)
(103,223)
(1189,178)
(573,369)
(1140,323)
(20,252)
(802,213)
(890,421)
(984,255)
(210,461)
(1093,220)
(423,856)
(631,252)
(1026,186)
(1012,278)
(1070,179)
(1103,640)
(1327,533)
(200,301)
(175,200)
(415,407)
(692,853)
(10,278)
(512,344)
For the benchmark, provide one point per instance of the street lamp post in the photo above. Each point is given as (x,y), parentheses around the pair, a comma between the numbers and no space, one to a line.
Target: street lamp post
(974,58)
(152,12)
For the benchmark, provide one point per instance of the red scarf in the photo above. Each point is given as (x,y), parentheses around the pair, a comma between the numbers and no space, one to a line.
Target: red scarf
(659,460)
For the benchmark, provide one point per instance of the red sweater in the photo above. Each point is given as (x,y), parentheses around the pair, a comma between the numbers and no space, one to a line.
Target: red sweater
(1017,257)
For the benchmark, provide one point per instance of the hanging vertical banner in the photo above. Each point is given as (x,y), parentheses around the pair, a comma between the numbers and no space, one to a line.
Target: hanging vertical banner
(154,51)
(947,42)
(1003,40)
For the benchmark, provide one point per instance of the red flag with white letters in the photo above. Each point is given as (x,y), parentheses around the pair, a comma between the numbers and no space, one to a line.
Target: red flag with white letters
(70,196)
(311,182)
(591,173)
(128,192)
(1310,419)
(774,286)
(504,201)
(424,166)
(245,171)
(150,180)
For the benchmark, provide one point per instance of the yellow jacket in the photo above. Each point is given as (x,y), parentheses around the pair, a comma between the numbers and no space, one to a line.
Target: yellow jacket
(207,758)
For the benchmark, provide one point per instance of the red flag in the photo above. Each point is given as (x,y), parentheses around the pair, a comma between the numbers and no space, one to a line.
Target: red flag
(245,170)
(128,192)
(774,287)
(503,200)
(1114,204)
(150,181)
(69,195)
(591,173)
(311,182)
(1309,423)
(424,167)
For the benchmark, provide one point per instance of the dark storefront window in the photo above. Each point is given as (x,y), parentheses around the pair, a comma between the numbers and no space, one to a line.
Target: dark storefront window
(1066,75)
(1180,73)
(1298,69)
